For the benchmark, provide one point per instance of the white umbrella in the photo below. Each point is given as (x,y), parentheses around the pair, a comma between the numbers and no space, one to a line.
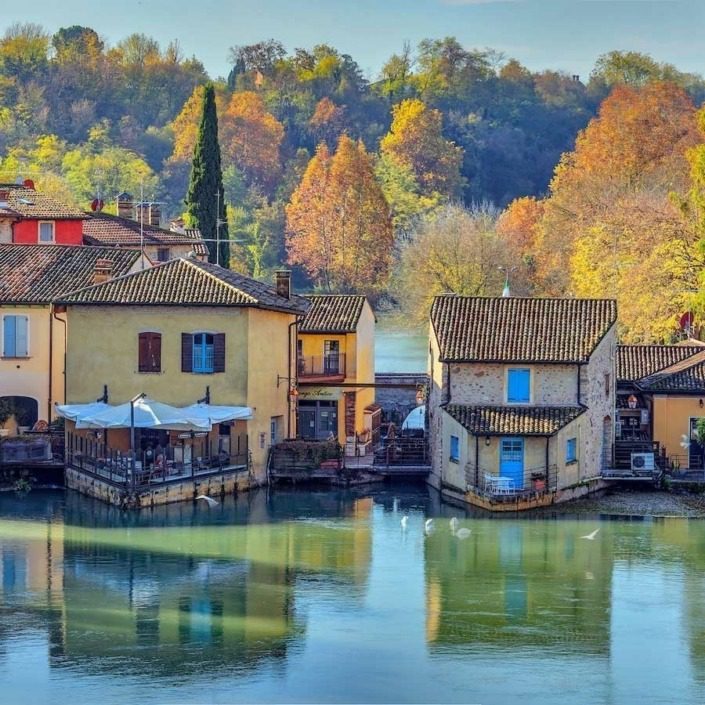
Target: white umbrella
(74,411)
(217,414)
(415,420)
(147,414)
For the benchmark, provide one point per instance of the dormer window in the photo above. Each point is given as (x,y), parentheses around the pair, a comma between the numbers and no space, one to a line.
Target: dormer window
(46,231)
(518,386)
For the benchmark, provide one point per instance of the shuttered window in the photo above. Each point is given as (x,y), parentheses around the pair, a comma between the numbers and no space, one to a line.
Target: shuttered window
(519,386)
(150,352)
(203,353)
(455,449)
(15,337)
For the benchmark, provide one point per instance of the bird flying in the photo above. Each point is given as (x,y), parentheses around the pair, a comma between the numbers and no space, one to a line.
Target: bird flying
(591,535)
(209,500)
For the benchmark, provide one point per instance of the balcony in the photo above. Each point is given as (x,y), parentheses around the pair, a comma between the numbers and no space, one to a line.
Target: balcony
(322,368)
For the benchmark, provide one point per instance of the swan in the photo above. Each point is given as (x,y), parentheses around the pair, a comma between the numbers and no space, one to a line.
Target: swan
(428,526)
(209,500)
(404,521)
(463,533)
(590,536)
(453,525)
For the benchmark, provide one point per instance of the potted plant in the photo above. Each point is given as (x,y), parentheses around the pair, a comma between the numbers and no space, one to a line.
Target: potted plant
(538,481)
(7,409)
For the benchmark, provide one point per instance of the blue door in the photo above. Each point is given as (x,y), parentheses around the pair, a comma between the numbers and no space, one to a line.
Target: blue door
(511,461)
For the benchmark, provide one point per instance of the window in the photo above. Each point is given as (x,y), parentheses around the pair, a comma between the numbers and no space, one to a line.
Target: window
(454,449)
(607,385)
(150,352)
(274,424)
(203,353)
(15,336)
(163,254)
(571,450)
(46,231)
(331,357)
(518,386)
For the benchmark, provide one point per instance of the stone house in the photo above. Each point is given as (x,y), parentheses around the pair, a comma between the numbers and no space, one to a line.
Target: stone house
(522,398)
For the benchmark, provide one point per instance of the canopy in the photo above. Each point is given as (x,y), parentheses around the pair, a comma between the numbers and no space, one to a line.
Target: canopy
(218,414)
(415,420)
(152,414)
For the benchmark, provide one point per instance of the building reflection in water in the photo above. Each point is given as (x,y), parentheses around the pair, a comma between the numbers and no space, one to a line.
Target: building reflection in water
(175,591)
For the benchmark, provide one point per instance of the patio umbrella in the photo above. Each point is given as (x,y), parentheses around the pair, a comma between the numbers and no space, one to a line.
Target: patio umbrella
(74,411)
(147,414)
(415,420)
(217,414)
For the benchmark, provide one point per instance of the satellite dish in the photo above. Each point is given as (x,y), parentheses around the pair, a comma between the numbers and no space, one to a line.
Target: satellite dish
(28,183)
(686,320)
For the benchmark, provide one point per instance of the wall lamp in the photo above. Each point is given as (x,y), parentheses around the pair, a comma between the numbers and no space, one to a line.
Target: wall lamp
(488,440)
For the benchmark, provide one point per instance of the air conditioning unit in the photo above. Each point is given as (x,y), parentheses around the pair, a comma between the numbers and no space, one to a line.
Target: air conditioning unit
(643,461)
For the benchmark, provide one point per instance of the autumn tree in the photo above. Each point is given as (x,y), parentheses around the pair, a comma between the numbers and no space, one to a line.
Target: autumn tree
(415,140)
(338,223)
(452,250)
(205,201)
(251,139)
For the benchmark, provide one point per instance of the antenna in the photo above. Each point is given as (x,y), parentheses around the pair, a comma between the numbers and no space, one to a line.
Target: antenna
(218,223)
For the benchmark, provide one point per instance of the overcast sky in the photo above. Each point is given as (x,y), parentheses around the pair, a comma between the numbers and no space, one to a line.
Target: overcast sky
(556,34)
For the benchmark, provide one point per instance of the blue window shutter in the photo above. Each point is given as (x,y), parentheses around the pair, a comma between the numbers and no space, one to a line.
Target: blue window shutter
(9,337)
(519,386)
(571,450)
(454,448)
(21,347)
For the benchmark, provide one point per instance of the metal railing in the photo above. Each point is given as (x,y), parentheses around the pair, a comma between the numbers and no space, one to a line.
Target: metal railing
(538,480)
(403,451)
(174,464)
(331,365)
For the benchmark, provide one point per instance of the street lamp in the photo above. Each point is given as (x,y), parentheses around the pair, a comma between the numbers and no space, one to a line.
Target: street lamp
(133,401)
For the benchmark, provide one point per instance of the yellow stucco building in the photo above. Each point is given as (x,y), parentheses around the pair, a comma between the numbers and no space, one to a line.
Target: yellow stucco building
(179,333)
(335,351)
(32,333)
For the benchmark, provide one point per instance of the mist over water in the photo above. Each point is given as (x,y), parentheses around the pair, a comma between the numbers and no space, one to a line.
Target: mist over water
(321,596)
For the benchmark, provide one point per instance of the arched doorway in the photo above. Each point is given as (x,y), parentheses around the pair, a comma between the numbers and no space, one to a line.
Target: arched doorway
(24,410)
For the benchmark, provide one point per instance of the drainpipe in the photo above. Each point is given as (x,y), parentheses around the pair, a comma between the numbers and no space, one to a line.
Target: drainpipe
(477,459)
(51,361)
(292,378)
(579,393)
(547,479)
(55,311)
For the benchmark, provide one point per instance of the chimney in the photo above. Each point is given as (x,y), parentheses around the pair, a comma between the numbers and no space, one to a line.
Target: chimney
(142,212)
(125,205)
(155,215)
(102,271)
(283,279)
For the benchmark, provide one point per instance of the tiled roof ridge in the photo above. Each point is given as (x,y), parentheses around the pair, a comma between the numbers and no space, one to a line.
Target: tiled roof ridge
(200,267)
(626,371)
(676,368)
(131,222)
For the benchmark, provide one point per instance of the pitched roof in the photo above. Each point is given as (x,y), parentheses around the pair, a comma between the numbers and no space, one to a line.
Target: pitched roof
(23,202)
(106,229)
(477,329)
(186,282)
(39,273)
(332,313)
(683,377)
(637,361)
(513,420)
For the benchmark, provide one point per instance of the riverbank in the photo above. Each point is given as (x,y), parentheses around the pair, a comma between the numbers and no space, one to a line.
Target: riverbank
(635,502)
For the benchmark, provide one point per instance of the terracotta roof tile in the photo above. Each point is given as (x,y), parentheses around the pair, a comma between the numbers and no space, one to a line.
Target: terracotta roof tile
(40,273)
(332,313)
(476,329)
(513,420)
(683,377)
(28,203)
(637,361)
(106,229)
(187,282)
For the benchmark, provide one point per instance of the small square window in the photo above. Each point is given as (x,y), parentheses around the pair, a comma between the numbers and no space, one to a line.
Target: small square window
(454,449)
(46,231)
(571,450)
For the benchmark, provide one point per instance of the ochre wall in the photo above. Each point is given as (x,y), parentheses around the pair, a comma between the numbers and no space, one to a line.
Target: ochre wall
(29,377)
(66,232)
(671,419)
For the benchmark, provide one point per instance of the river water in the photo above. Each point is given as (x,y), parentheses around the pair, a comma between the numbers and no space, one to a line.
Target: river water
(323,597)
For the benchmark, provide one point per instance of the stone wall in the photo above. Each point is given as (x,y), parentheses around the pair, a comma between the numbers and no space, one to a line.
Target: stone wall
(397,403)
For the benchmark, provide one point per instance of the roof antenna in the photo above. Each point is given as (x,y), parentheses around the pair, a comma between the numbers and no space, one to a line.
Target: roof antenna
(507,271)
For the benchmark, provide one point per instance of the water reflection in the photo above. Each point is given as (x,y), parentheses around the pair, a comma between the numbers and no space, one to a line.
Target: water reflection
(322,596)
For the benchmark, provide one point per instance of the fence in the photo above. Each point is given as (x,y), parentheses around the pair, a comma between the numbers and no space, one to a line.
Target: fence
(332,365)
(174,464)
(538,480)
(403,451)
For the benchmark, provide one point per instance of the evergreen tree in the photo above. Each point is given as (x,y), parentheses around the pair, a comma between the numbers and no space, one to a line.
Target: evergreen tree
(205,189)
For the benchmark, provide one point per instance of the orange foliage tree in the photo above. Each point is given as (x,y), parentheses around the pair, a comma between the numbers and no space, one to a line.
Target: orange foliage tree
(338,223)
(415,140)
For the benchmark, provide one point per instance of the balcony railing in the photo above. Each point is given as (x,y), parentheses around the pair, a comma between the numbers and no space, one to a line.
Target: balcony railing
(331,365)
(538,480)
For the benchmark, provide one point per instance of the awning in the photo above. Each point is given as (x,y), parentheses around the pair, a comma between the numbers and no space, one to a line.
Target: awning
(152,414)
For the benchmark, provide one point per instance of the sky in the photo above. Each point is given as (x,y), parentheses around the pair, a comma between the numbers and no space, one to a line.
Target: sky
(543,34)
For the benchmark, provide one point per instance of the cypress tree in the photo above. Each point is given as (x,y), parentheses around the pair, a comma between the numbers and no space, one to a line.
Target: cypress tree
(205,188)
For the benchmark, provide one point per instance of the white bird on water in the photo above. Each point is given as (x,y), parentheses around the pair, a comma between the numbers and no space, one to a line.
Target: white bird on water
(209,500)
(591,535)
(428,526)
(453,525)
(463,533)
(404,521)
